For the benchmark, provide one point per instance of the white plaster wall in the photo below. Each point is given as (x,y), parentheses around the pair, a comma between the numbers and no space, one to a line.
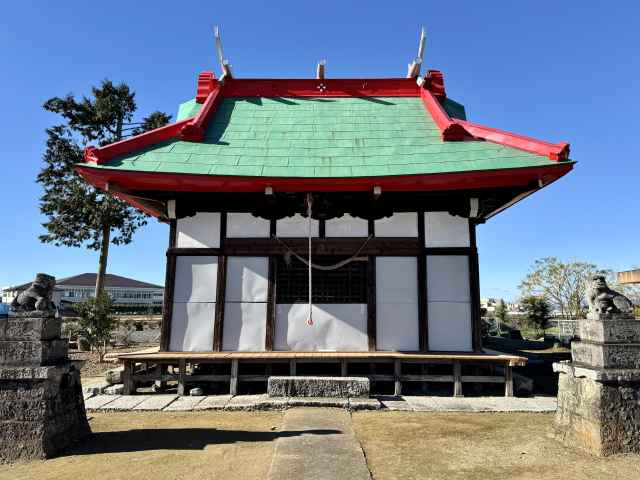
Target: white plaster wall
(397,303)
(448,278)
(296,226)
(336,327)
(192,327)
(403,224)
(194,306)
(449,303)
(245,225)
(200,231)
(245,311)
(196,279)
(450,326)
(247,279)
(244,326)
(445,230)
(346,226)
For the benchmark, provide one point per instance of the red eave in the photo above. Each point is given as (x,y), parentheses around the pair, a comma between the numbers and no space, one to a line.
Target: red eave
(175,182)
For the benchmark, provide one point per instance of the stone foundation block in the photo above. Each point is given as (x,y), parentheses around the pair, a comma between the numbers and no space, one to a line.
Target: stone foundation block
(609,330)
(36,352)
(606,355)
(41,415)
(337,387)
(598,410)
(30,328)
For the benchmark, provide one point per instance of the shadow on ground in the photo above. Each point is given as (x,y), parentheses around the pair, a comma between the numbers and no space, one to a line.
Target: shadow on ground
(140,440)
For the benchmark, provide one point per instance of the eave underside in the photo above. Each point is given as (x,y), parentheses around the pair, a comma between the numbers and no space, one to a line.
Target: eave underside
(495,190)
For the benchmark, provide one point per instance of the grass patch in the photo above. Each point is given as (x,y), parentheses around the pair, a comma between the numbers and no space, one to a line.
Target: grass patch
(473,446)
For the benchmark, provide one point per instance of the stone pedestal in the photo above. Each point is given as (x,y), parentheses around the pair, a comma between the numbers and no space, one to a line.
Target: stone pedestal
(599,390)
(41,404)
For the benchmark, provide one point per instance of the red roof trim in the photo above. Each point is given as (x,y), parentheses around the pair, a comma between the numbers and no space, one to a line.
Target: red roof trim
(133,181)
(454,129)
(434,82)
(339,87)
(555,151)
(100,155)
(194,130)
(451,131)
(206,83)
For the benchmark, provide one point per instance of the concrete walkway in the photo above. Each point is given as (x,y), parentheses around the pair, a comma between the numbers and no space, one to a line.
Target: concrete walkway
(327,450)
(173,403)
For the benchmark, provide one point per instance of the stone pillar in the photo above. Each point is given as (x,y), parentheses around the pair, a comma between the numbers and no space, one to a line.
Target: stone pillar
(41,404)
(599,390)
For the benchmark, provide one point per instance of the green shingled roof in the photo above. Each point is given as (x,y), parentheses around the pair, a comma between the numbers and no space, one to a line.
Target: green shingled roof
(323,137)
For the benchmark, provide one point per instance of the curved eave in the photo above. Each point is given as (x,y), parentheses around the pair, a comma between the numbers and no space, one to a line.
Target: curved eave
(131,181)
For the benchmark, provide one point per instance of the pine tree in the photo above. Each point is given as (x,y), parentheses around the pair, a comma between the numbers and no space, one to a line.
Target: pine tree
(77,213)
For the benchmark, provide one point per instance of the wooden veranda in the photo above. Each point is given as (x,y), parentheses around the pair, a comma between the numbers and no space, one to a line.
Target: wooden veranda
(165,367)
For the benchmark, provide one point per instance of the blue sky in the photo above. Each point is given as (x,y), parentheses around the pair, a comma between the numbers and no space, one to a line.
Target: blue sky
(559,71)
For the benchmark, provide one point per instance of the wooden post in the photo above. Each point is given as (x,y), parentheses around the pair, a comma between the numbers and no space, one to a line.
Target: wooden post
(233,385)
(343,367)
(508,380)
(457,379)
(271,303)
(423,306)
(292,367)
(182,373)
(127,377)
(220,303)
(397,372)
(371,303)
(169,284)
(161,384)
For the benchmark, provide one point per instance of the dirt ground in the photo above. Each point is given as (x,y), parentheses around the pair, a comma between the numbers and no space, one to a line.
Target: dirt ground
(163,446)
(397,445)
(472,446)
(91,366)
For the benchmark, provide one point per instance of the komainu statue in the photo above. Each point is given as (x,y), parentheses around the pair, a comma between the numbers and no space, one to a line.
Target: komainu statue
(606,302)
(37,296)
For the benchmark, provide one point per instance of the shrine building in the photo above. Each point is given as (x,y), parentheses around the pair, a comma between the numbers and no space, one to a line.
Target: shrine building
(378,184)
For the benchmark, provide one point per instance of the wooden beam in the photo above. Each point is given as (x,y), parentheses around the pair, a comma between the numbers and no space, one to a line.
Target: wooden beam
(218,326)
(327,246)
(371,304)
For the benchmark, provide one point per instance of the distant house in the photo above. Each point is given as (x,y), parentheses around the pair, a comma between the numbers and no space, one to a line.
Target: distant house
(128,294)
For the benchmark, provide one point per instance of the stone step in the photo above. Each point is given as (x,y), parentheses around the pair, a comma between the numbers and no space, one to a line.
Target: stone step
(307,386)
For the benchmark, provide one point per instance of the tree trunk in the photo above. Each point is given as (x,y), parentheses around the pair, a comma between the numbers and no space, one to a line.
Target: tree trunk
(104,253)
